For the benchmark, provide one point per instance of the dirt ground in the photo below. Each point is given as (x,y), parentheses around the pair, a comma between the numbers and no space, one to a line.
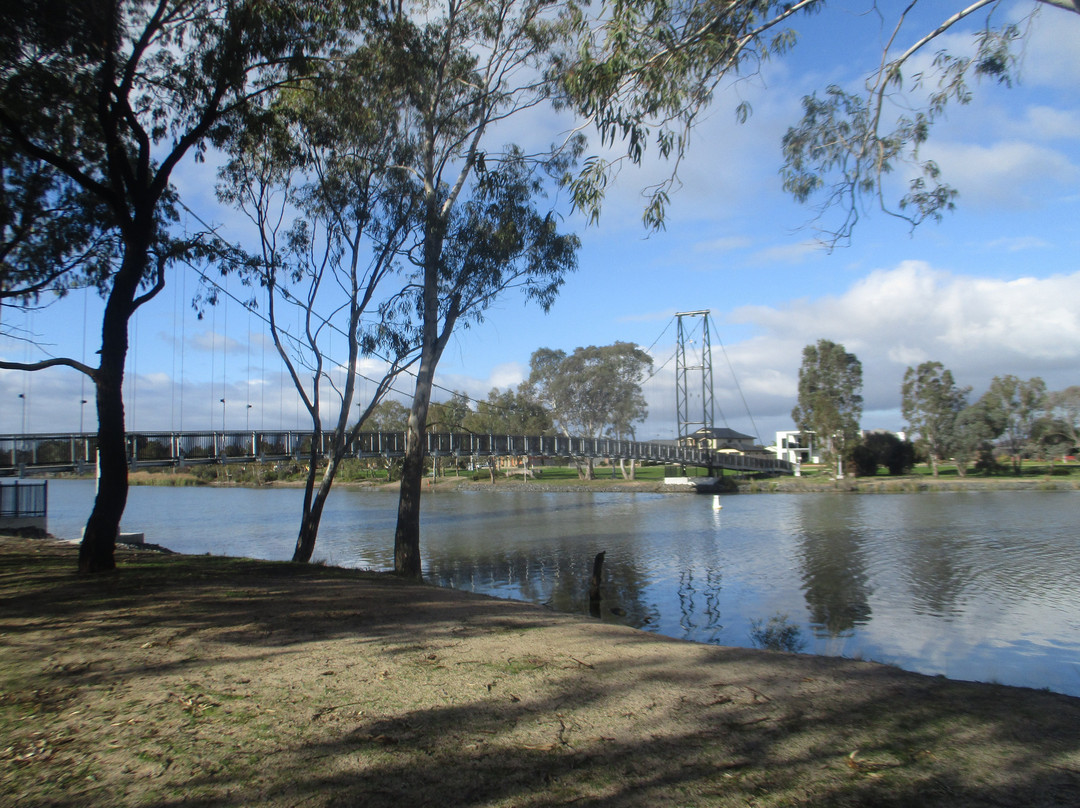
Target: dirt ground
(198,681)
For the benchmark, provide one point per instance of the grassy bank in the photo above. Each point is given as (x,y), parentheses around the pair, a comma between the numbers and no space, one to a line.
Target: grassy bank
(358,472)
(1036,477)
(195,681)
(1066,479)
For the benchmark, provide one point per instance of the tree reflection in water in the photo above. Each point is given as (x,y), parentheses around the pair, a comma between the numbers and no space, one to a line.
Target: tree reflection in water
(835,580)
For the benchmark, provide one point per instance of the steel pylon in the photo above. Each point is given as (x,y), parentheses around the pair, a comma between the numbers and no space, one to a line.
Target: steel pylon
(693,373)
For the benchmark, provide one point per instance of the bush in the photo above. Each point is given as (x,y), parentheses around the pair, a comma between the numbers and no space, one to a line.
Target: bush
(883,449)
(987,464)
(865,460)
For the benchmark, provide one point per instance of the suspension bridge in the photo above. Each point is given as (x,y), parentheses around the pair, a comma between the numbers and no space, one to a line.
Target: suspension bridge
(77,452)
(26,451)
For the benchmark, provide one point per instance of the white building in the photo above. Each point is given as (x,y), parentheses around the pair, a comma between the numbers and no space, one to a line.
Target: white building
(795,446)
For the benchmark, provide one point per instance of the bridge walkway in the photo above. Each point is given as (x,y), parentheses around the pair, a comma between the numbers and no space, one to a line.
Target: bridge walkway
(58,451)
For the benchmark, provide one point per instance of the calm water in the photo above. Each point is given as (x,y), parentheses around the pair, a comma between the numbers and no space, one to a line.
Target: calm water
(982,586)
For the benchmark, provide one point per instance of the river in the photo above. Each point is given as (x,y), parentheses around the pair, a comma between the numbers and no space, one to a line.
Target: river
(970,585)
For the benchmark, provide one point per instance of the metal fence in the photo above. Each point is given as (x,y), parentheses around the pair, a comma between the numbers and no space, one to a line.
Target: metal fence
(24,499)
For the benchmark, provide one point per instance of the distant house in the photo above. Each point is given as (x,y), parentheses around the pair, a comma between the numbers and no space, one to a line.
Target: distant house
(795,446)
(720,439)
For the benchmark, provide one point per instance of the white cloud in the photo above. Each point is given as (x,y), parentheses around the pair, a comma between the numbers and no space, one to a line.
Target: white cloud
(1008,174)
(1048,123)
(788,253)
(647,317)
(908,355)
(502,376)
(508,374)
(213,341)
(722,245)
(1050,54)
(159,380)
(977,327)
(1018,244)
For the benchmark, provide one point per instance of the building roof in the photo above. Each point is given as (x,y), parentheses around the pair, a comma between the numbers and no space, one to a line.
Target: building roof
(722,433)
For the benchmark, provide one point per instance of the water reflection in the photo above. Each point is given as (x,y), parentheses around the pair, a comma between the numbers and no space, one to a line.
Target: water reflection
(832,550)
(699,605)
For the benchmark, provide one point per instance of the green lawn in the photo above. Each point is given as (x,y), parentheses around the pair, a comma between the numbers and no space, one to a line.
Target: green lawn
(646,473)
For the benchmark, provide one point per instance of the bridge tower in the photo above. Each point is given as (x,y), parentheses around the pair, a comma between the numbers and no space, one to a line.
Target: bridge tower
(693,372)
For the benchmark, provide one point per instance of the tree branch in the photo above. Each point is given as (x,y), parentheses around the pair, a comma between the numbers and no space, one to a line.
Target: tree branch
(50,363)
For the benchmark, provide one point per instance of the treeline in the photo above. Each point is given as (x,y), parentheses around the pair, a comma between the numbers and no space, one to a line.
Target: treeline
(593,392)
(1012,421)
(1015,419)
(505,412)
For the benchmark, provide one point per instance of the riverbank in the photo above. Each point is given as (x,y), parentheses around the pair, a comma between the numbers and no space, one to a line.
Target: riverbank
(441,485)
(194,680)
(906,484)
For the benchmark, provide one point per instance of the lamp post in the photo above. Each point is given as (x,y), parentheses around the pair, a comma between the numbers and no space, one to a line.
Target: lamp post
(22,431)
(82,411)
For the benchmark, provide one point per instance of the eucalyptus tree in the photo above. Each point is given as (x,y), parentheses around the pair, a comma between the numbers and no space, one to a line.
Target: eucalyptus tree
(389,415)
(972,435)
(830,398)
(108,97)
(483,226)
(593,391)
(1012,408)
(53,234)
(1063,411)
(645,71)
(850,141)
(931,403)
(449,416)
(319,177)
(510,412)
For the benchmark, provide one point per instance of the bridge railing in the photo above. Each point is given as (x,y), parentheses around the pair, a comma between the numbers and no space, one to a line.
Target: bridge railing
(68,450)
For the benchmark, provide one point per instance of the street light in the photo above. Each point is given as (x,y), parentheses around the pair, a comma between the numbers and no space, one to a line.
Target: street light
(82,410)
(22,431)
(223,418)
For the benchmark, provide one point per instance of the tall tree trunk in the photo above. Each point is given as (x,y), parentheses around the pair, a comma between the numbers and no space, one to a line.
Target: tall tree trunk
(309,525)
(98,548)
(433,342)
(312,471)
(97,552)
(407,534)
(586,468)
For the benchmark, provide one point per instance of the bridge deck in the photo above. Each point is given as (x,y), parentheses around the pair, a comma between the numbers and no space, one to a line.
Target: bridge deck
(174,448)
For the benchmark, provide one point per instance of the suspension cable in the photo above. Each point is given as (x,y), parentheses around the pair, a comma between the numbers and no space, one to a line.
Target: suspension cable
(735,379)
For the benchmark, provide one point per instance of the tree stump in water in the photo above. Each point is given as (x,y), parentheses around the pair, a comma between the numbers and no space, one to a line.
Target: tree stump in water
(594,584)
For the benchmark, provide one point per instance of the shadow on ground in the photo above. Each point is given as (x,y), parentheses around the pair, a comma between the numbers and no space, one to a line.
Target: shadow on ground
(196,681)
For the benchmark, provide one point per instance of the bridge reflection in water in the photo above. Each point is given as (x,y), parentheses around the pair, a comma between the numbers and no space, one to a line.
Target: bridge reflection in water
(147,449)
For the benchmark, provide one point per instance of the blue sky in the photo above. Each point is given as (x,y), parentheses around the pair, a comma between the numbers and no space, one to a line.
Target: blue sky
(993,289)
